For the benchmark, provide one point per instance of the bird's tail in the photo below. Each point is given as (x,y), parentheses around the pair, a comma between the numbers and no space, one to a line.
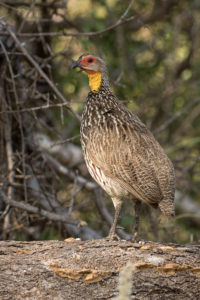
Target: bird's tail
(167,207)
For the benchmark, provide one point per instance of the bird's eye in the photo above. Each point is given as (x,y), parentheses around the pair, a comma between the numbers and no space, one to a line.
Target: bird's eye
(90,60)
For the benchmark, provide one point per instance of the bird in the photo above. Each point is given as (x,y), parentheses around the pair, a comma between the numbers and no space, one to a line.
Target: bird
(120,152)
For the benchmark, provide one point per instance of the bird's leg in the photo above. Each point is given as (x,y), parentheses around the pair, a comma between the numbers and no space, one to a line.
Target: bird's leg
(118,204)
(137,216)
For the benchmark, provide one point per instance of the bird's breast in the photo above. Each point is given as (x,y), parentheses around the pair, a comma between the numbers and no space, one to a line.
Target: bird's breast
(110,185)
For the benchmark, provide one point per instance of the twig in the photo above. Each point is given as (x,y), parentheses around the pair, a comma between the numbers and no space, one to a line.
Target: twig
(72,196)
(4,213)
(119,22)
(66,140)
(32,209)
(40,71)
(78,34)
(126,11)
(12,3)
(192,166)
(70,174)
(31,109)
(24,20)
(176,116)
(8,137)
(9,153)
(18,114)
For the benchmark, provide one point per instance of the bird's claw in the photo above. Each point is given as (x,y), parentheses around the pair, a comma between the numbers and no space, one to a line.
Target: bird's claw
(113,237)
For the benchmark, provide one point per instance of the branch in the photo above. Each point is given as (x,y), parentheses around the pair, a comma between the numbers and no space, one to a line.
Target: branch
(119,22)
(32,209)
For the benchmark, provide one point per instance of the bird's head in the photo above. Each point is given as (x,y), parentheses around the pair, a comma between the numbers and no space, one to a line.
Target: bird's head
(95,67)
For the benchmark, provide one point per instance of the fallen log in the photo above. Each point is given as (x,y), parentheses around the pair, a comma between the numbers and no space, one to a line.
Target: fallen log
(75,269)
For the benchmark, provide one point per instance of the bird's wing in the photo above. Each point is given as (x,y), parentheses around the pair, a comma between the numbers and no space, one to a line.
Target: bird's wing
(128,153)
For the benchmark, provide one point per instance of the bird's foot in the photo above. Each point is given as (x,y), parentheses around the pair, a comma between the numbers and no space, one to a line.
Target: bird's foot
(135,239)
(113,237)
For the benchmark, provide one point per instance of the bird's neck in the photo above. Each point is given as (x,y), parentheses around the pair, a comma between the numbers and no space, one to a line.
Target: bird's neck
(95,79)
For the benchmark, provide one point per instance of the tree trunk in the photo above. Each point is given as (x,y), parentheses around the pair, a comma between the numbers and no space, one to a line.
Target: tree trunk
(75,269)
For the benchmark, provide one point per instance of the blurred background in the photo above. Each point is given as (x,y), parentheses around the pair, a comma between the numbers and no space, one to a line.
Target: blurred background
(152,49)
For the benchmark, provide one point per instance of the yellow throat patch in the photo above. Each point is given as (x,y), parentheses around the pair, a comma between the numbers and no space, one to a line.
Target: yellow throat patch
(94,80)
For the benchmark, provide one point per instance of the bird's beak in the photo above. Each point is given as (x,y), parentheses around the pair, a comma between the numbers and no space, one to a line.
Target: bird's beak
(75,64)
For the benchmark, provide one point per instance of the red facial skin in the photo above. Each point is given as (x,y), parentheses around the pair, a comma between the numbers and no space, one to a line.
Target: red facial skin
(84,63)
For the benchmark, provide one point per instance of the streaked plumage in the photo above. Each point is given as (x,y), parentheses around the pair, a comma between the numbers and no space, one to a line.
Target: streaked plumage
(121,154)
